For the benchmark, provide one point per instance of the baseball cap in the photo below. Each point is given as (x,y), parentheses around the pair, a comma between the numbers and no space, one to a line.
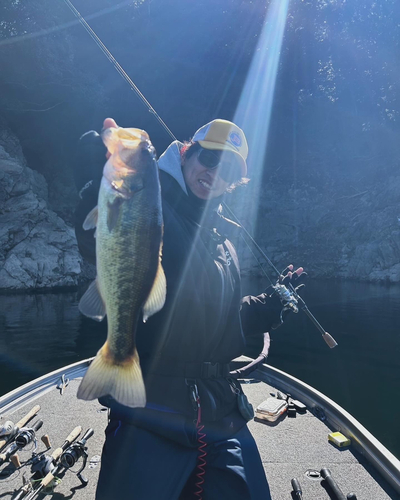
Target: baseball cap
(224,135)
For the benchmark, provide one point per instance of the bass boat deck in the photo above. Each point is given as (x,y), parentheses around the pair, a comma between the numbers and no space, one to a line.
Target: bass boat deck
(289,447)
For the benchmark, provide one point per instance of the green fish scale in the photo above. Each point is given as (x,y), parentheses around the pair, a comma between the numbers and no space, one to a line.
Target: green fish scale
(127,263)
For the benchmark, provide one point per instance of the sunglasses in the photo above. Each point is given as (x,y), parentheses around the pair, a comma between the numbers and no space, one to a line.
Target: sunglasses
(227,163)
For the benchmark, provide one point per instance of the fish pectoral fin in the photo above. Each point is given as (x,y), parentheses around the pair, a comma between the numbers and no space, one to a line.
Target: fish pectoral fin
(113,210)
(91,219)
(92,303)
(121,380)
(156,298)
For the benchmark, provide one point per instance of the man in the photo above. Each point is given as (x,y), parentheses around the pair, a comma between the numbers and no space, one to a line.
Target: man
(191,440)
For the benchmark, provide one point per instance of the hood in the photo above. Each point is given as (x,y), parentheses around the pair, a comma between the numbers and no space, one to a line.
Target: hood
(170,162)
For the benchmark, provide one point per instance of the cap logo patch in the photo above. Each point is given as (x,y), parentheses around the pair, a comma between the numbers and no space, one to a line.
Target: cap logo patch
(235,139)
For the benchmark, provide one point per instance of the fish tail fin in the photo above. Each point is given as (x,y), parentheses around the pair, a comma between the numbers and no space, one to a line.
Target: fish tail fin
(121,380)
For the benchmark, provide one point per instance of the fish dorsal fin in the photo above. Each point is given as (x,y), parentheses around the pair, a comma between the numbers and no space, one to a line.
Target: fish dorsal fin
(92,303)
(156,298)
(91,219)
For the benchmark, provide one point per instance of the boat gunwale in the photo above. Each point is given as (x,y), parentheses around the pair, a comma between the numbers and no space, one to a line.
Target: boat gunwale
(34,389)
(336,417)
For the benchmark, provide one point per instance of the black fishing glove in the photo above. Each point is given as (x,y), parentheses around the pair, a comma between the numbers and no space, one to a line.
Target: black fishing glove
(268,310)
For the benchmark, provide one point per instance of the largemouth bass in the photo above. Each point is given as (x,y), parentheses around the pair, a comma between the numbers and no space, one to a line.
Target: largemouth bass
(130,280)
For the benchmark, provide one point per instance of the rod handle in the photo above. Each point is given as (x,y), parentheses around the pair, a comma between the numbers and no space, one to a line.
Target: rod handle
(329,340)
(3,442)
(326,474)
(57,453)
(37,425)
(22,492)
(88,434)
(74,434)
(296,487)
(47,480)
(28,416)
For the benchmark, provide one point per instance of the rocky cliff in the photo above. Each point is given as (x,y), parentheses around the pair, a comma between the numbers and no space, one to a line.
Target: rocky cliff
(327,195)
(328,228)
(37,248)
(333,236)
(334,210)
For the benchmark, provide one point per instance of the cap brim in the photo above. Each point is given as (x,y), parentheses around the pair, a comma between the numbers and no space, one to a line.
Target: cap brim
(225,147)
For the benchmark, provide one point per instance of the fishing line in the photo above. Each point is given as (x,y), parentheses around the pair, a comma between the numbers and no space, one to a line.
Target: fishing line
(55,29)
(257,259)
(117,66)
(330,341)
(328,338)
(251,239)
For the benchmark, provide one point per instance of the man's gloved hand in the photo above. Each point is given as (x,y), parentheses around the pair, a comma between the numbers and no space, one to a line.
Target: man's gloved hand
(288,281)
(262,313)
(268,310)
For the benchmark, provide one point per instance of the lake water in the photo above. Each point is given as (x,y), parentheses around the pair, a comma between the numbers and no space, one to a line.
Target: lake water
(42,332)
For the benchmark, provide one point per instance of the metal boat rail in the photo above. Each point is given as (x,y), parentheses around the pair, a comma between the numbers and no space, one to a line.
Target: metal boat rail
(30,391)
(337,418)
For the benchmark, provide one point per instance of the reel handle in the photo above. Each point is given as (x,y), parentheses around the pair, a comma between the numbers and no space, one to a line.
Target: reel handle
(14,459)
(46,441)
(82,479)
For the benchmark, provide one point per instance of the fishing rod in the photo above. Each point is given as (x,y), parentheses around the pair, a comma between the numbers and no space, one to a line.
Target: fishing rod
(288,295)
(45,468)
(9,430)
(117,66)
(25,436)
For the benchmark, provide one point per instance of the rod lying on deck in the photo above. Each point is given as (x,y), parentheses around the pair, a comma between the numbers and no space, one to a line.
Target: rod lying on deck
(24,420)
(28,491)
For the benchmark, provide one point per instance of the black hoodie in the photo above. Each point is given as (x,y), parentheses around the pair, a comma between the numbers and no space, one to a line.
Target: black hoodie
(201,318)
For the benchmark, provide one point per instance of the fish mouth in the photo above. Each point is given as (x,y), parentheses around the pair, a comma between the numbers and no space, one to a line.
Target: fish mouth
(124,138)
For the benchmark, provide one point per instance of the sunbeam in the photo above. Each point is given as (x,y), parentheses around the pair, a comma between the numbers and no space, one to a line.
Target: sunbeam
(253,113)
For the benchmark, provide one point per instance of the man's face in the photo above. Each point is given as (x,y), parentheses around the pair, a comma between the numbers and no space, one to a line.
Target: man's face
(202,181)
